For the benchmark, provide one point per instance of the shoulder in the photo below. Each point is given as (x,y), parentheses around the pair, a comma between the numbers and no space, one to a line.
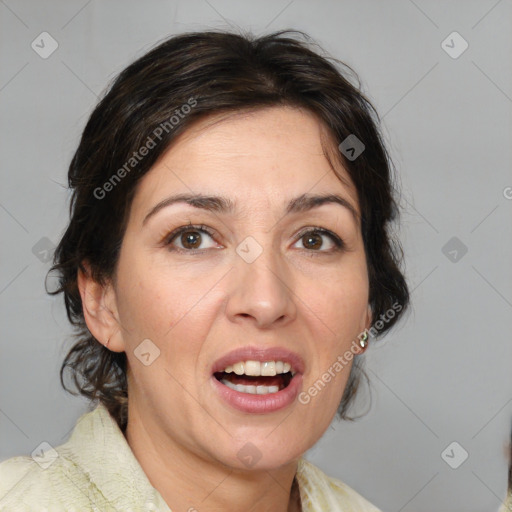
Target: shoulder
(27,485)
(321,492)
(12,472)
(94,469)
(54,478)
(23,484)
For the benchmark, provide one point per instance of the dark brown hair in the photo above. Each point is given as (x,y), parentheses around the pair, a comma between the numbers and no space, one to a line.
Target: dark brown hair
(216,72)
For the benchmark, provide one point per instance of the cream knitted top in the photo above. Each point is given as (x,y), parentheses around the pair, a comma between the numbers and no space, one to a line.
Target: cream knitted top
(96,470)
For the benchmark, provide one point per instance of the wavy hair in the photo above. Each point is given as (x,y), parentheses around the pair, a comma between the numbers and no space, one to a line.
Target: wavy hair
(223,72)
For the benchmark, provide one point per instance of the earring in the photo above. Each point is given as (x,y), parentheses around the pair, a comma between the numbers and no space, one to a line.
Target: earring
(363,342)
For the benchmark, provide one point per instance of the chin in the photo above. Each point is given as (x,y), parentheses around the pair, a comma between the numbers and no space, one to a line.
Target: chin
(259,451)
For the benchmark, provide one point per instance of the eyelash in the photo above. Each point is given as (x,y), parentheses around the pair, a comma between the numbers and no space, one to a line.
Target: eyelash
(338,242)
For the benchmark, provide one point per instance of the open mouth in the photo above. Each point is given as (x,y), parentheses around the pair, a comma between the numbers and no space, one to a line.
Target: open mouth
(255,377)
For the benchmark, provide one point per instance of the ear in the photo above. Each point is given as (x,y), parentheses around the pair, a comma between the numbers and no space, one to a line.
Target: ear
(100,310)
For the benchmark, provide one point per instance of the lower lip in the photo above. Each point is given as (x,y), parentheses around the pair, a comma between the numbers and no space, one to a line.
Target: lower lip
(260,403)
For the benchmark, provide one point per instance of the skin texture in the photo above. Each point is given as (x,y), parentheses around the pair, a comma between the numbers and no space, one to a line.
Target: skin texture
(300,294)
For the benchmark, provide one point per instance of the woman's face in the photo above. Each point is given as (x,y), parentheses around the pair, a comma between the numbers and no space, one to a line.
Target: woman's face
(261,270)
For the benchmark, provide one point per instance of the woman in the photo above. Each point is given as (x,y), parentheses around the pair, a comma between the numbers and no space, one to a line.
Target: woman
(226,259)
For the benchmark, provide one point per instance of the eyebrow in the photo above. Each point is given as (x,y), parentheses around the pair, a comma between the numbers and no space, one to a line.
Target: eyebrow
(218,204)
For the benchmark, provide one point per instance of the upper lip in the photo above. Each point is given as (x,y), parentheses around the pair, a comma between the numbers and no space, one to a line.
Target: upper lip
(259,354)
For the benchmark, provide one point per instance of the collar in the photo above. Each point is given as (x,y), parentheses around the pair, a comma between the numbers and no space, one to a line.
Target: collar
(98,446)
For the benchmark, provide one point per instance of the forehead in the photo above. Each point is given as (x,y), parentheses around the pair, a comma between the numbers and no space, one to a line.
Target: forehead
(269,154)
(273,133)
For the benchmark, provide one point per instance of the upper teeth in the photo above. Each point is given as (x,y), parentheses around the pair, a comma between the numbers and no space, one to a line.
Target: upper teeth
(256,368)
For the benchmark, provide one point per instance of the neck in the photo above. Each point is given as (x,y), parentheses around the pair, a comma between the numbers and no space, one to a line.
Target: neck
(191,483)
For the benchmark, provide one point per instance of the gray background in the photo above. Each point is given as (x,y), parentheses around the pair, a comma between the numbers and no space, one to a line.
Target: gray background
(444,374)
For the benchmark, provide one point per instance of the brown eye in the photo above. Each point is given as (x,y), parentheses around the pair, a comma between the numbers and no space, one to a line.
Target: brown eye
(190,238)
(315,241)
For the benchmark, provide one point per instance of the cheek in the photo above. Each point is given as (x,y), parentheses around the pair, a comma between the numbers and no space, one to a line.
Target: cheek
(144,305)
(152,297)
(339,307)
(340,299)
(322,395)
(172,308)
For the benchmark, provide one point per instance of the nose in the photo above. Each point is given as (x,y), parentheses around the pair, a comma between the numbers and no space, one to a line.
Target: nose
(262,291)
